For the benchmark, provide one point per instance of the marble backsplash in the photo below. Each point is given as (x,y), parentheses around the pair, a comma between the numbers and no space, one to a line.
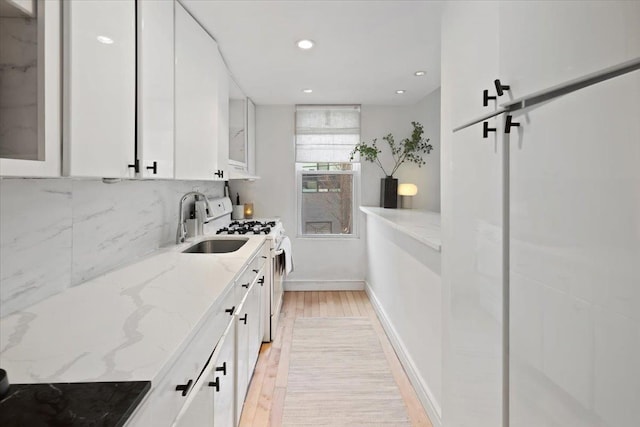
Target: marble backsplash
(57,233)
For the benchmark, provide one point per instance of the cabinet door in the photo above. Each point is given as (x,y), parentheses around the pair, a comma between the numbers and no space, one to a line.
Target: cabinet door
(224,372)
(222,140)
(255,325)
(211,402)
(251,136)
(242,319)
(196,99)
(100,86)
(198,410)
(47,162)
(155,88)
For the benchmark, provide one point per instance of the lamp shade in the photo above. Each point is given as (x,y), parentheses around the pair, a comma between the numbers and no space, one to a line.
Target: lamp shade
(407,189)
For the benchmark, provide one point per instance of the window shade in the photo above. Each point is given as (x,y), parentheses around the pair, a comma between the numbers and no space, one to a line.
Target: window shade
(327,133)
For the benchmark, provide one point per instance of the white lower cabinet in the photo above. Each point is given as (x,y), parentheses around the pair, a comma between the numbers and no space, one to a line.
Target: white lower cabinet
(208,382)
(242,320)
(211,400)
(223,377)
(248,340)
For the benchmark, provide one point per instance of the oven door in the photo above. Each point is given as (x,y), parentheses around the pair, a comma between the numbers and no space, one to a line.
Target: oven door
(278,273)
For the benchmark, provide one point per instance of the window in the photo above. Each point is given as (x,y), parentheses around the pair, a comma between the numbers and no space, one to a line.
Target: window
(327,181)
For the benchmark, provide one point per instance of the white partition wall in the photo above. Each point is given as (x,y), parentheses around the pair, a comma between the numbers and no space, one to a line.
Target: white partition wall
(471,222)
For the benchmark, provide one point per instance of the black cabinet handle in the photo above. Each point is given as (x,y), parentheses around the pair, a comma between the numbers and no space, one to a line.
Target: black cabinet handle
(261,281)
(244,319)
(222,369)
(486,129)
(215,384)
(486,98)
(509,124)
(219,173)
(135,166)
(500,88)
(263,257)
(255,271)
(230,310)
(245,285)
(184,388)
(154,168)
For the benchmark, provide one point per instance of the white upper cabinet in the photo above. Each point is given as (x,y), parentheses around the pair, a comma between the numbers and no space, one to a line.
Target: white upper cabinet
(237,127)
(30,120)
(199,110)
(100,88)
(223,115)
(251,137)
(155,88)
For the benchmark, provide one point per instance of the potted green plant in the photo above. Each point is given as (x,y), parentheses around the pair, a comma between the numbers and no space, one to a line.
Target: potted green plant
(409,150)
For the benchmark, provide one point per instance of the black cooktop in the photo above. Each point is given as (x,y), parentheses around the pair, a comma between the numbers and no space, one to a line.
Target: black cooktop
(102,404)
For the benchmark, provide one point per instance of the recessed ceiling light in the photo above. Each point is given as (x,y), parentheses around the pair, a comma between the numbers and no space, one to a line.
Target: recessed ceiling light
(420,73)
(305,44)
(307,90)
(105,40)
(400,91)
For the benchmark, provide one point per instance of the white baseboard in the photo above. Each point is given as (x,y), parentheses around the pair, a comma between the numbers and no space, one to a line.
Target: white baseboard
(323,285)
(422,390)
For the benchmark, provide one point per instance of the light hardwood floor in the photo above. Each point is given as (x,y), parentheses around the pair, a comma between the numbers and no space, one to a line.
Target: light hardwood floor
(265,398)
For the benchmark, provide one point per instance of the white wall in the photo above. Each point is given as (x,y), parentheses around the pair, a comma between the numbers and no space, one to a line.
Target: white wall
(274,195)
(336,260)
(378,121)
(57,233)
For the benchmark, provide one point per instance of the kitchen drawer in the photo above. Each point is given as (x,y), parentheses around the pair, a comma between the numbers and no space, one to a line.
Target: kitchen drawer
(165,402)
(253,270)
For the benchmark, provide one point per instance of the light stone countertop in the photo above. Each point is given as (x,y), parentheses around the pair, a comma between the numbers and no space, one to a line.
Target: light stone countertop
(424,226)
(127,325)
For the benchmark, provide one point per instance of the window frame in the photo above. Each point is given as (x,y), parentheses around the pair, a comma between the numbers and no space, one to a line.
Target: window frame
(355,201)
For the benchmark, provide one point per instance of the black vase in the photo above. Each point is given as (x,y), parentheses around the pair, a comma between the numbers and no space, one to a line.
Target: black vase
(389,192)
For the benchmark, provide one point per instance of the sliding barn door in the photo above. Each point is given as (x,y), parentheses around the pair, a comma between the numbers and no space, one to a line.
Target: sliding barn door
(574,267)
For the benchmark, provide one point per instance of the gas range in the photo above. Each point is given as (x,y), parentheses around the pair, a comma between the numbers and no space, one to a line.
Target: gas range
(273,231)
(249,227)
(271,228)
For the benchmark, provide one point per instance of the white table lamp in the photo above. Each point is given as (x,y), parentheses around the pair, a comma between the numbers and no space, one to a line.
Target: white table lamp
(406,192)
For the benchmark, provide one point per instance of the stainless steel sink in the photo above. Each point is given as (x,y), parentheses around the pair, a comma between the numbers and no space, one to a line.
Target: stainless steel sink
(216,246)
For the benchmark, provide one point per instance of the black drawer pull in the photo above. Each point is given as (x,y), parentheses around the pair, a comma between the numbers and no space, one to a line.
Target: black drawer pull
(230,310)
(244,319)
(153,168)
(486,98)
(263,257)
(245,285)
(222,369)
(509,124)
(215,384)
(135,166)
(261,281)
(255,271)
(500,88)
(486,129)
(184,388)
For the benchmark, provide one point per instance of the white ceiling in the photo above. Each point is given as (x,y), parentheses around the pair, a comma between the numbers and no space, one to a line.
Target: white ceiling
(364,52)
